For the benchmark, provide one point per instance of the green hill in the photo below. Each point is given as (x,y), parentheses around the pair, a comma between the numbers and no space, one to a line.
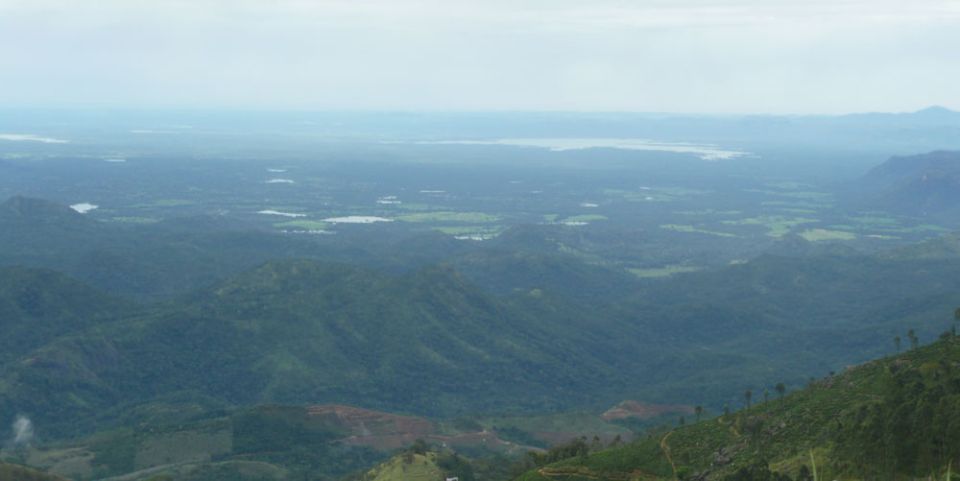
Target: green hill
(407,467)
(38,305)
(303,331)
(894,418)
(431,342)
(149,262)
(926,185)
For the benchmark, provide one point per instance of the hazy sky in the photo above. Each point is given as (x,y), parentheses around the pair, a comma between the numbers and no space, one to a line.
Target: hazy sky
(662,55)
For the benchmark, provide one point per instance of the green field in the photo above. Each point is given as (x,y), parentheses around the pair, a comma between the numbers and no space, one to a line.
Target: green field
(777,226)
(815,235)
(585,218)
(664,271)
(695,230)
(302,224)
(449,216)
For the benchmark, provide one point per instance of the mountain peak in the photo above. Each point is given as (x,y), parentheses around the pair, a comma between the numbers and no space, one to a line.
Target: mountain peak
(936,111)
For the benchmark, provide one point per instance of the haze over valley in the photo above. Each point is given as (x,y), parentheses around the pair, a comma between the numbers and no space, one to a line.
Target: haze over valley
(479,241)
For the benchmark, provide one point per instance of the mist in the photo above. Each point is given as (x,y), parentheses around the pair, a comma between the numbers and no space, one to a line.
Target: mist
(690,56)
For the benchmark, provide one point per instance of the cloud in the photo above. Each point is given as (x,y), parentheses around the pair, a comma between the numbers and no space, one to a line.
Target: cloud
(22,431)
(682,55)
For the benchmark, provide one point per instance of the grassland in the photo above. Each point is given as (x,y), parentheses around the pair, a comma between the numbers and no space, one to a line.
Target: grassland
(777,226)
(449,216)
(585,218)
(130,219)
(709,212)
(664,271)
(302,224)
(695,230)
(816,235)
(480,230)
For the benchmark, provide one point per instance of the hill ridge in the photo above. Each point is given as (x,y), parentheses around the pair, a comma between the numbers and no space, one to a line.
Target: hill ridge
(876,420)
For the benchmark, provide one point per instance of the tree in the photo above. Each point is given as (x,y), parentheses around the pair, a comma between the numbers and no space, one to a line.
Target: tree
(682,421)
(780,389)
(896,342)
(956,319)
(914,341)
(748,395)
(420,447)
(698,411)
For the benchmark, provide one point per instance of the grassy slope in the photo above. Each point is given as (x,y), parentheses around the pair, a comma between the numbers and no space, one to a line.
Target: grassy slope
(891,418)
(13,472)
(407,467)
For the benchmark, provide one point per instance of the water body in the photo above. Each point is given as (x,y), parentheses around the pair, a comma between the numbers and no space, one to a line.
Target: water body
(704,151)
(356,219)
(282,214)
(84,207)
(32,138)
(389,200)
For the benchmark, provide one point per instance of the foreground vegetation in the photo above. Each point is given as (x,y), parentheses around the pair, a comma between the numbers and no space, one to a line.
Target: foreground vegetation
(894,418)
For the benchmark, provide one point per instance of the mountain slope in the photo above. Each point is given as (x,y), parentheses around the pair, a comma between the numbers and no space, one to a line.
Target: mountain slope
(13,472)
(918,185)
(895,418)
(304,331)
(37,306)
(432,343)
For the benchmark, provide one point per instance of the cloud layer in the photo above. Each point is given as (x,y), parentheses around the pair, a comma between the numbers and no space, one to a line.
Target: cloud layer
(681,55)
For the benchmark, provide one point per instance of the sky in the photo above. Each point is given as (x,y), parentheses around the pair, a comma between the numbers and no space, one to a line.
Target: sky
(690,56)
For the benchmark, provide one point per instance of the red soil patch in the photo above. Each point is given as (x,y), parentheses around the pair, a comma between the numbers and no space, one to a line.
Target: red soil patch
(366,423)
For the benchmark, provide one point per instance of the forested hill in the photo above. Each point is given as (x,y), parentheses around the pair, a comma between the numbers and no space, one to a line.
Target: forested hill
(926,185)
(303,331)
(894,418)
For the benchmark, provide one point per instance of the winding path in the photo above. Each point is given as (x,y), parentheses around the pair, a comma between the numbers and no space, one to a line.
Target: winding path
(666,452)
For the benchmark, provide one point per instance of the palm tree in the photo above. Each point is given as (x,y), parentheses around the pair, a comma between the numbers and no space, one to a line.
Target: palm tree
(748,395)
(780,389)
(896,342)
(698,411)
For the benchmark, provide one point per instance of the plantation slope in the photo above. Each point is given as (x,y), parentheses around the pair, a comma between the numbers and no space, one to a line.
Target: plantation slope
(893,418)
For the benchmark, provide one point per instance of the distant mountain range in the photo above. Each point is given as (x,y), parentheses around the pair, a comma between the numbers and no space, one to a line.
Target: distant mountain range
(926,185)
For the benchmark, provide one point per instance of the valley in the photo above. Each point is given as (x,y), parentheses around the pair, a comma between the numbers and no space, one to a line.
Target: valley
(479,300)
